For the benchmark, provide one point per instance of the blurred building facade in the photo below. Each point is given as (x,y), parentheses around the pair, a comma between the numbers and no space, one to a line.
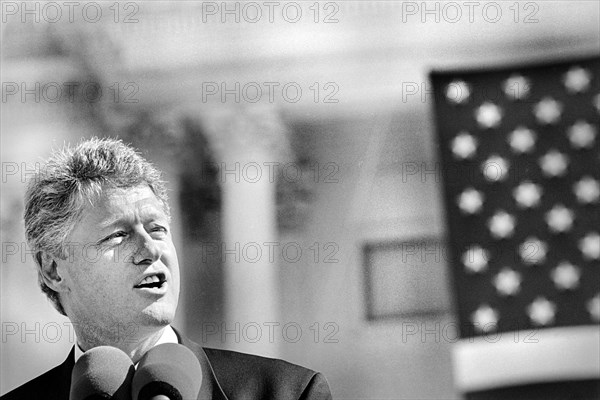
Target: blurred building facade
(362,139)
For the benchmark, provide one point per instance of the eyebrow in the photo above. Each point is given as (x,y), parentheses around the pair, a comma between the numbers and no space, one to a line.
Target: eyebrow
(145,215)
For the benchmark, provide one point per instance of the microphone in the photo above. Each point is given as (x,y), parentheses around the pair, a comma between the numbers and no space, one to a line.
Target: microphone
(103,372)
(168,371)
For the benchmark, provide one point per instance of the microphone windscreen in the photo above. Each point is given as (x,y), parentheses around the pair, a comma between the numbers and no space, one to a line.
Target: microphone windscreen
(103,372)
(168,369)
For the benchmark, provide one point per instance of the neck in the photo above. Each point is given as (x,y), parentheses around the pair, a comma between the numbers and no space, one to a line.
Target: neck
(132,340)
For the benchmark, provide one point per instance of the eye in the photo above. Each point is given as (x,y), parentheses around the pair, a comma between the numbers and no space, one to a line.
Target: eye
(116,237)
(158,230)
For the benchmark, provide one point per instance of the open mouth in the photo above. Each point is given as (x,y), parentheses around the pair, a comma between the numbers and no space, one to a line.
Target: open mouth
(152,281)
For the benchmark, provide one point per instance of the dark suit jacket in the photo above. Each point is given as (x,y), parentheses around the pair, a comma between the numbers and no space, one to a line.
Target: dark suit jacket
(225,375)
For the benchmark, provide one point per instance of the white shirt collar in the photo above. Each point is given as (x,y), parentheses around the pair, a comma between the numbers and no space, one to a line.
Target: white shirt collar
(168,336)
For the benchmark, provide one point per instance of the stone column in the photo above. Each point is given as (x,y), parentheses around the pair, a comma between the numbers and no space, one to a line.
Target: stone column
(249,143)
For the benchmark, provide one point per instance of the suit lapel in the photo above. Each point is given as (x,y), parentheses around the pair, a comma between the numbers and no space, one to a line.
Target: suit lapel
(210,390)
(64,376)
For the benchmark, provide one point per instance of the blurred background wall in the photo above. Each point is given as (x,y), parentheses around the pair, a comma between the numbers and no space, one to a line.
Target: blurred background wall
(358,144)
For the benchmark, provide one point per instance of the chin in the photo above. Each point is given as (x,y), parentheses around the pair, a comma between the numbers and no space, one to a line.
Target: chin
(158,315)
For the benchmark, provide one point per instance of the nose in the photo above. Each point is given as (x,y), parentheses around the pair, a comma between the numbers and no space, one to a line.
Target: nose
(148,250)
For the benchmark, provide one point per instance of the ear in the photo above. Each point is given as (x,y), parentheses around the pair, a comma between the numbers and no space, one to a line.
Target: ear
(49,271)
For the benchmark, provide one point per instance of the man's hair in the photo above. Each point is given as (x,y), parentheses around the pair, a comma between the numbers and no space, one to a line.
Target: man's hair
(72,177)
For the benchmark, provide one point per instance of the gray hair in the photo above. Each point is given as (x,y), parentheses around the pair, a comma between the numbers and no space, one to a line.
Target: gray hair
(72,177)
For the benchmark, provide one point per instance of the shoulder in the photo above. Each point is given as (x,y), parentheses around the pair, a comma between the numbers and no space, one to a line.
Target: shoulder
(249,363)
(46,386)
(51,385)
(240,374)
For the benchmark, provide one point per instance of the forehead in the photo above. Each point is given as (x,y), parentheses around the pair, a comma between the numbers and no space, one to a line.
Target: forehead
(118,200)
(122,204)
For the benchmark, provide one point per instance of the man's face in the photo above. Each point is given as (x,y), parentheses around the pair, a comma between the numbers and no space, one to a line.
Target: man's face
(122,271)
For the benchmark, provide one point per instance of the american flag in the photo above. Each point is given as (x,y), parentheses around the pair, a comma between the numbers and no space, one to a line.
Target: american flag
(520,148)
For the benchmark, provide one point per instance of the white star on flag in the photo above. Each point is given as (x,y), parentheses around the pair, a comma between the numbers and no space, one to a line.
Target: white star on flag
(501,225)
(516,87)
(590,246)
(587,190)
(577,80)
(507,282)
(593,307)
(475,259)
(533,251)
(547,111)
(527,194)
(559,219)
(488,115)
(485,318)
(582,135)
(522,140)
(470,201)
(458,92)
(554,163)
(541,311)
(495,168)
(566,276)
(464,145)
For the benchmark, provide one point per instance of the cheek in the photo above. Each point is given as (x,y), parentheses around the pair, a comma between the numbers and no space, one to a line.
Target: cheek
(173,262)
(97,276)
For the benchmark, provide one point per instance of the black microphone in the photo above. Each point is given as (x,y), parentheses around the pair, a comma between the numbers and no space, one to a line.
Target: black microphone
(168,371)
(101,373)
